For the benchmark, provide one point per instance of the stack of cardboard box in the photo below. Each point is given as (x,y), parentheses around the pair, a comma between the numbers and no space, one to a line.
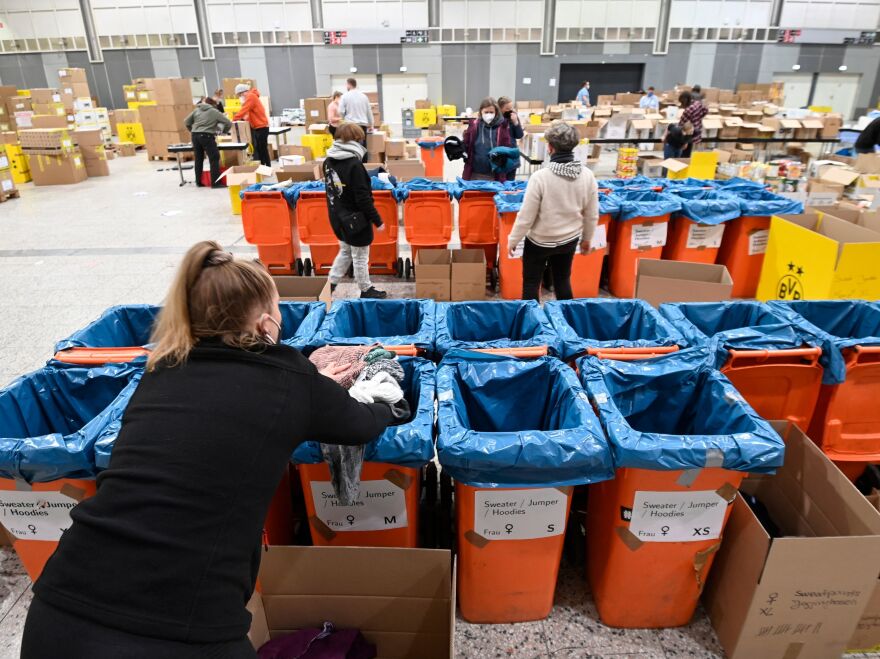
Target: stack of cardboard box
(456,275)
(171,100)
(53,156)
(94,152)
(74,87)
(316,109)
(7,182)
(7,119)
(19,110)
(296,163)
(374,106)
(402,159)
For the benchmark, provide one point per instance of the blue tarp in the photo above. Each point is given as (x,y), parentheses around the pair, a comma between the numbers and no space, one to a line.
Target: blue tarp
(293,192)
(706,206)
(504,159)
(389,322)
(609,323)
(422,185)
(408,445)
(461,186)
(517,423)
(760,203)
(834,325)
(737,325)
(677,412)
(378,184)
(130,326)
(52,419)
(508,202)
(646,204)
(638,182)
(496,324)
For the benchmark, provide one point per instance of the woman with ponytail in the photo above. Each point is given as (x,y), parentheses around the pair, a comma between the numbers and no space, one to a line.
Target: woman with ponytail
(163,559)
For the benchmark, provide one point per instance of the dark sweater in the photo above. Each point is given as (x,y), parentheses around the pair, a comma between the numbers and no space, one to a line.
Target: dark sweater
(357,196)
(169,547)
(870,136)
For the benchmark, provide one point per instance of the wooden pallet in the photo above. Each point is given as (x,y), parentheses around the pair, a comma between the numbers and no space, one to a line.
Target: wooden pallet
(184,157)
(5,196)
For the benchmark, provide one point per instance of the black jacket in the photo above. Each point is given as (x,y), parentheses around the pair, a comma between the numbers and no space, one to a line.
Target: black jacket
(357,196)
(870,136)
(169,547)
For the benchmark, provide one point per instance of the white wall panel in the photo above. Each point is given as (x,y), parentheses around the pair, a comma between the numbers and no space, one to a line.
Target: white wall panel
(415,15)
(529,13)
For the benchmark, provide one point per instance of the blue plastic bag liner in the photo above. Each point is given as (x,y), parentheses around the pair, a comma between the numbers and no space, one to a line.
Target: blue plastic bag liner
(461,186)
(389,322)
(410,444)
(293,192)
(124,326)
(760,203)
(834,325)
(504,158)
(646,204)
(517,423)
(677,412)
(706,206)
(638,182)
(609,323)
(737,184)
(430,144)
(300,321)
(674,183)
(508,202)
(495,324)
(515,185)
(609,204)
(52,419)
(378,184)
(422,185)
(736,325)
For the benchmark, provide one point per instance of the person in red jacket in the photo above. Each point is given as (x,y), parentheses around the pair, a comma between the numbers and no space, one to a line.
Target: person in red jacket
(254,113)
(489,130)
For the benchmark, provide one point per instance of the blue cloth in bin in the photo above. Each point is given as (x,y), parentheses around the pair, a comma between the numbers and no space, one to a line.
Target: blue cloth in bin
(389,322)
(834,325)
(760,203)
(609,204)
(609,323)
(124,326)
(496,324)
(517,423)
(733,325)
(401,192)
(51,420)
(514,186)
(410,444)
(706,206)
(638,182)
(508,202)
(461,186)
(292,193)
(646,204)
(378,184)
(677,412)
(737,184)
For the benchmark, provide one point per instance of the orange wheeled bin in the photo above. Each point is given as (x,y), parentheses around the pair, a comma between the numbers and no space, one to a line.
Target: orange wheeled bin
(509,270)
(641,233)
(515,435)
(386,513)
(745,239)
(427,217)
(313,221)
(682,439)
(695,232)
(846,422)
(384,255)
(270,224)
(433,155)
(771,363)
(478,226)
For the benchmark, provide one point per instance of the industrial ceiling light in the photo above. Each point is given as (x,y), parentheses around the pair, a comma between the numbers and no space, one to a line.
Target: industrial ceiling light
(842,67)
(353,69)
(796,67)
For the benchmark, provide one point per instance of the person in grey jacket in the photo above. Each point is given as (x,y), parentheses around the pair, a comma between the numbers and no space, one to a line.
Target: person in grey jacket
(204,123)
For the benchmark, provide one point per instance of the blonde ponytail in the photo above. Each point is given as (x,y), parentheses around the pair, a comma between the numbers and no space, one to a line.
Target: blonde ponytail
(212,295)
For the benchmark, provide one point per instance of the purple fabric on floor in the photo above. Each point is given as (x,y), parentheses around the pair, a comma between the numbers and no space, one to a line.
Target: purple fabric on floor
(319,644)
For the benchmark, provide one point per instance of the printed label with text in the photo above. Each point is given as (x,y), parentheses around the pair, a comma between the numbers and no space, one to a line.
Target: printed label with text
(600,237)
(520,514)
(648,235)
(677,516)
(758,242)
(380,505)
(35,515)
(708,237)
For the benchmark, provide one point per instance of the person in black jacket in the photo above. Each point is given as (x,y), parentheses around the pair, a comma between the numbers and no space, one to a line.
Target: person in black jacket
(351,208)
(869,138)
(163,559)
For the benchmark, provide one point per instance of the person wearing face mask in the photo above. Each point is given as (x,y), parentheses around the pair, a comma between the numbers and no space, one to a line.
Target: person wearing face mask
(650,101)
(254,113)
(218,100)
(163,559)
(583,96)
(488,131)
(512,118)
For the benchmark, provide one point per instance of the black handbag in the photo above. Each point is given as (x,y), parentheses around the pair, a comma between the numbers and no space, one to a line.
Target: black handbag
(351,223)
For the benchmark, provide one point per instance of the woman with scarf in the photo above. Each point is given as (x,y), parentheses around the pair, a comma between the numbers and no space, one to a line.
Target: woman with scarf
(489,131)
(350,204)
(559,213)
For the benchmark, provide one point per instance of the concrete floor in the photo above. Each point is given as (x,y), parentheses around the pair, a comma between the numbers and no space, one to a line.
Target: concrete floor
(67,253)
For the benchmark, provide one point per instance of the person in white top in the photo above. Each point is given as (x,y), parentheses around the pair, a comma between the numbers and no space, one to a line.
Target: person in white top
(559,212)
(650,101)
(354,106)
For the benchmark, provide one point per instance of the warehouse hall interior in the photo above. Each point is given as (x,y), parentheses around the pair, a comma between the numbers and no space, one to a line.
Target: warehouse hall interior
(439,329)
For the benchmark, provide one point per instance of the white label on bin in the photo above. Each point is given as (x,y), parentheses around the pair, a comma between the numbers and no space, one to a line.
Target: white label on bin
(36,515)
(758,242)
(519,514)
(678,516)
(381,505)
(648,235)
(701,235)
(518,250)
(600,237)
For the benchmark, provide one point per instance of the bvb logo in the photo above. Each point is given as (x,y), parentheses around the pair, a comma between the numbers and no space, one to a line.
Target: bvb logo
(790,286)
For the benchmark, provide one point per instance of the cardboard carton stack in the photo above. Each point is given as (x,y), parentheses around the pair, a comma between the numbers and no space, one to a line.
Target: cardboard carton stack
(456,275)
(92,146)
(49,110)
(296,163)
(164,104)
(19,111)
(74,87)
(7,119)
(7,182)
(53,156)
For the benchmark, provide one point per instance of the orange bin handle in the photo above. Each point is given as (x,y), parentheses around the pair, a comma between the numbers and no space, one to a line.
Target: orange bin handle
(532,352)
(811,354)
(610,352)
(95,356)
(405,350)
(863,355)
(629,356)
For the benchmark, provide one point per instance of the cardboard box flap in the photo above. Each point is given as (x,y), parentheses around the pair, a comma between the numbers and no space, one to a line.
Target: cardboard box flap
(258,634)
(684,270)
(733,121)
(674,165)
(837,174)
(642,124)
(713,123)
(789,123)
(303,289)
(812,123)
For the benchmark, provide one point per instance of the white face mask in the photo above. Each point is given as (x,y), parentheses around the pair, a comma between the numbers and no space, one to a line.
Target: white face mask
(489,118)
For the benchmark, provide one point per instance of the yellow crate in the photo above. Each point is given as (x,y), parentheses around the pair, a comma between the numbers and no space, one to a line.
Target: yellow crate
(318,144)
(23,92)
(425,118)
(702,166)
(134,105)
(133,133)
(232,104)
(535,119)
(446,111)
(18,163)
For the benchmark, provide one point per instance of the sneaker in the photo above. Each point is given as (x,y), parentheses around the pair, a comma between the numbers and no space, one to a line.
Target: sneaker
(373,293)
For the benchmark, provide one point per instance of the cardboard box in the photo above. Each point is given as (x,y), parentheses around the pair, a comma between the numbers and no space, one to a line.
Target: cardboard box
(97,166)
(395,148)
(406,170)
(833,259)
(800,594)
(316,110)
(303,289)
(127,116)
(45,95)
(7,91)
(245,175)
(57,170)
(241,132)
(75,90)
(867,635)
(468,274)
(837,175)
(48,121)
(809,129)
(7,184)
(376,142)
(831,125)
(170,91)
(867,163)
(24,120)
(434,274)
(404,603)
(126,149)
(304,172)
(229,85)
(295,150)
(70,75)
(679,281)
(164,118)
(18,104)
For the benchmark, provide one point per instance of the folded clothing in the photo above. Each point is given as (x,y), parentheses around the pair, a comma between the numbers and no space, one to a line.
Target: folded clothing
(352,357)
(325,643)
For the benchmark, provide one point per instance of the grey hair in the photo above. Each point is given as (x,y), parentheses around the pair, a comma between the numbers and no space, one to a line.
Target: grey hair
(561,136)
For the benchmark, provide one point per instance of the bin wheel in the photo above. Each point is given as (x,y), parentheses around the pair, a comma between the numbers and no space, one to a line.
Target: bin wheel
(399,271)
(308,269)
(408,269)
(300,267)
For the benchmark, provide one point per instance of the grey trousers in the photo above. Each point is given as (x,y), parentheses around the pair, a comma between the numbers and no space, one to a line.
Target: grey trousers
(350,255)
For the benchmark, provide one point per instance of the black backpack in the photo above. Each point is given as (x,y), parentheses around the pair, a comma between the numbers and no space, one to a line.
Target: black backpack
(348,224)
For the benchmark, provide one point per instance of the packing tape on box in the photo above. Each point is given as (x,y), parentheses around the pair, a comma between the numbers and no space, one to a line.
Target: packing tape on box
(398,478)
(700,560)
